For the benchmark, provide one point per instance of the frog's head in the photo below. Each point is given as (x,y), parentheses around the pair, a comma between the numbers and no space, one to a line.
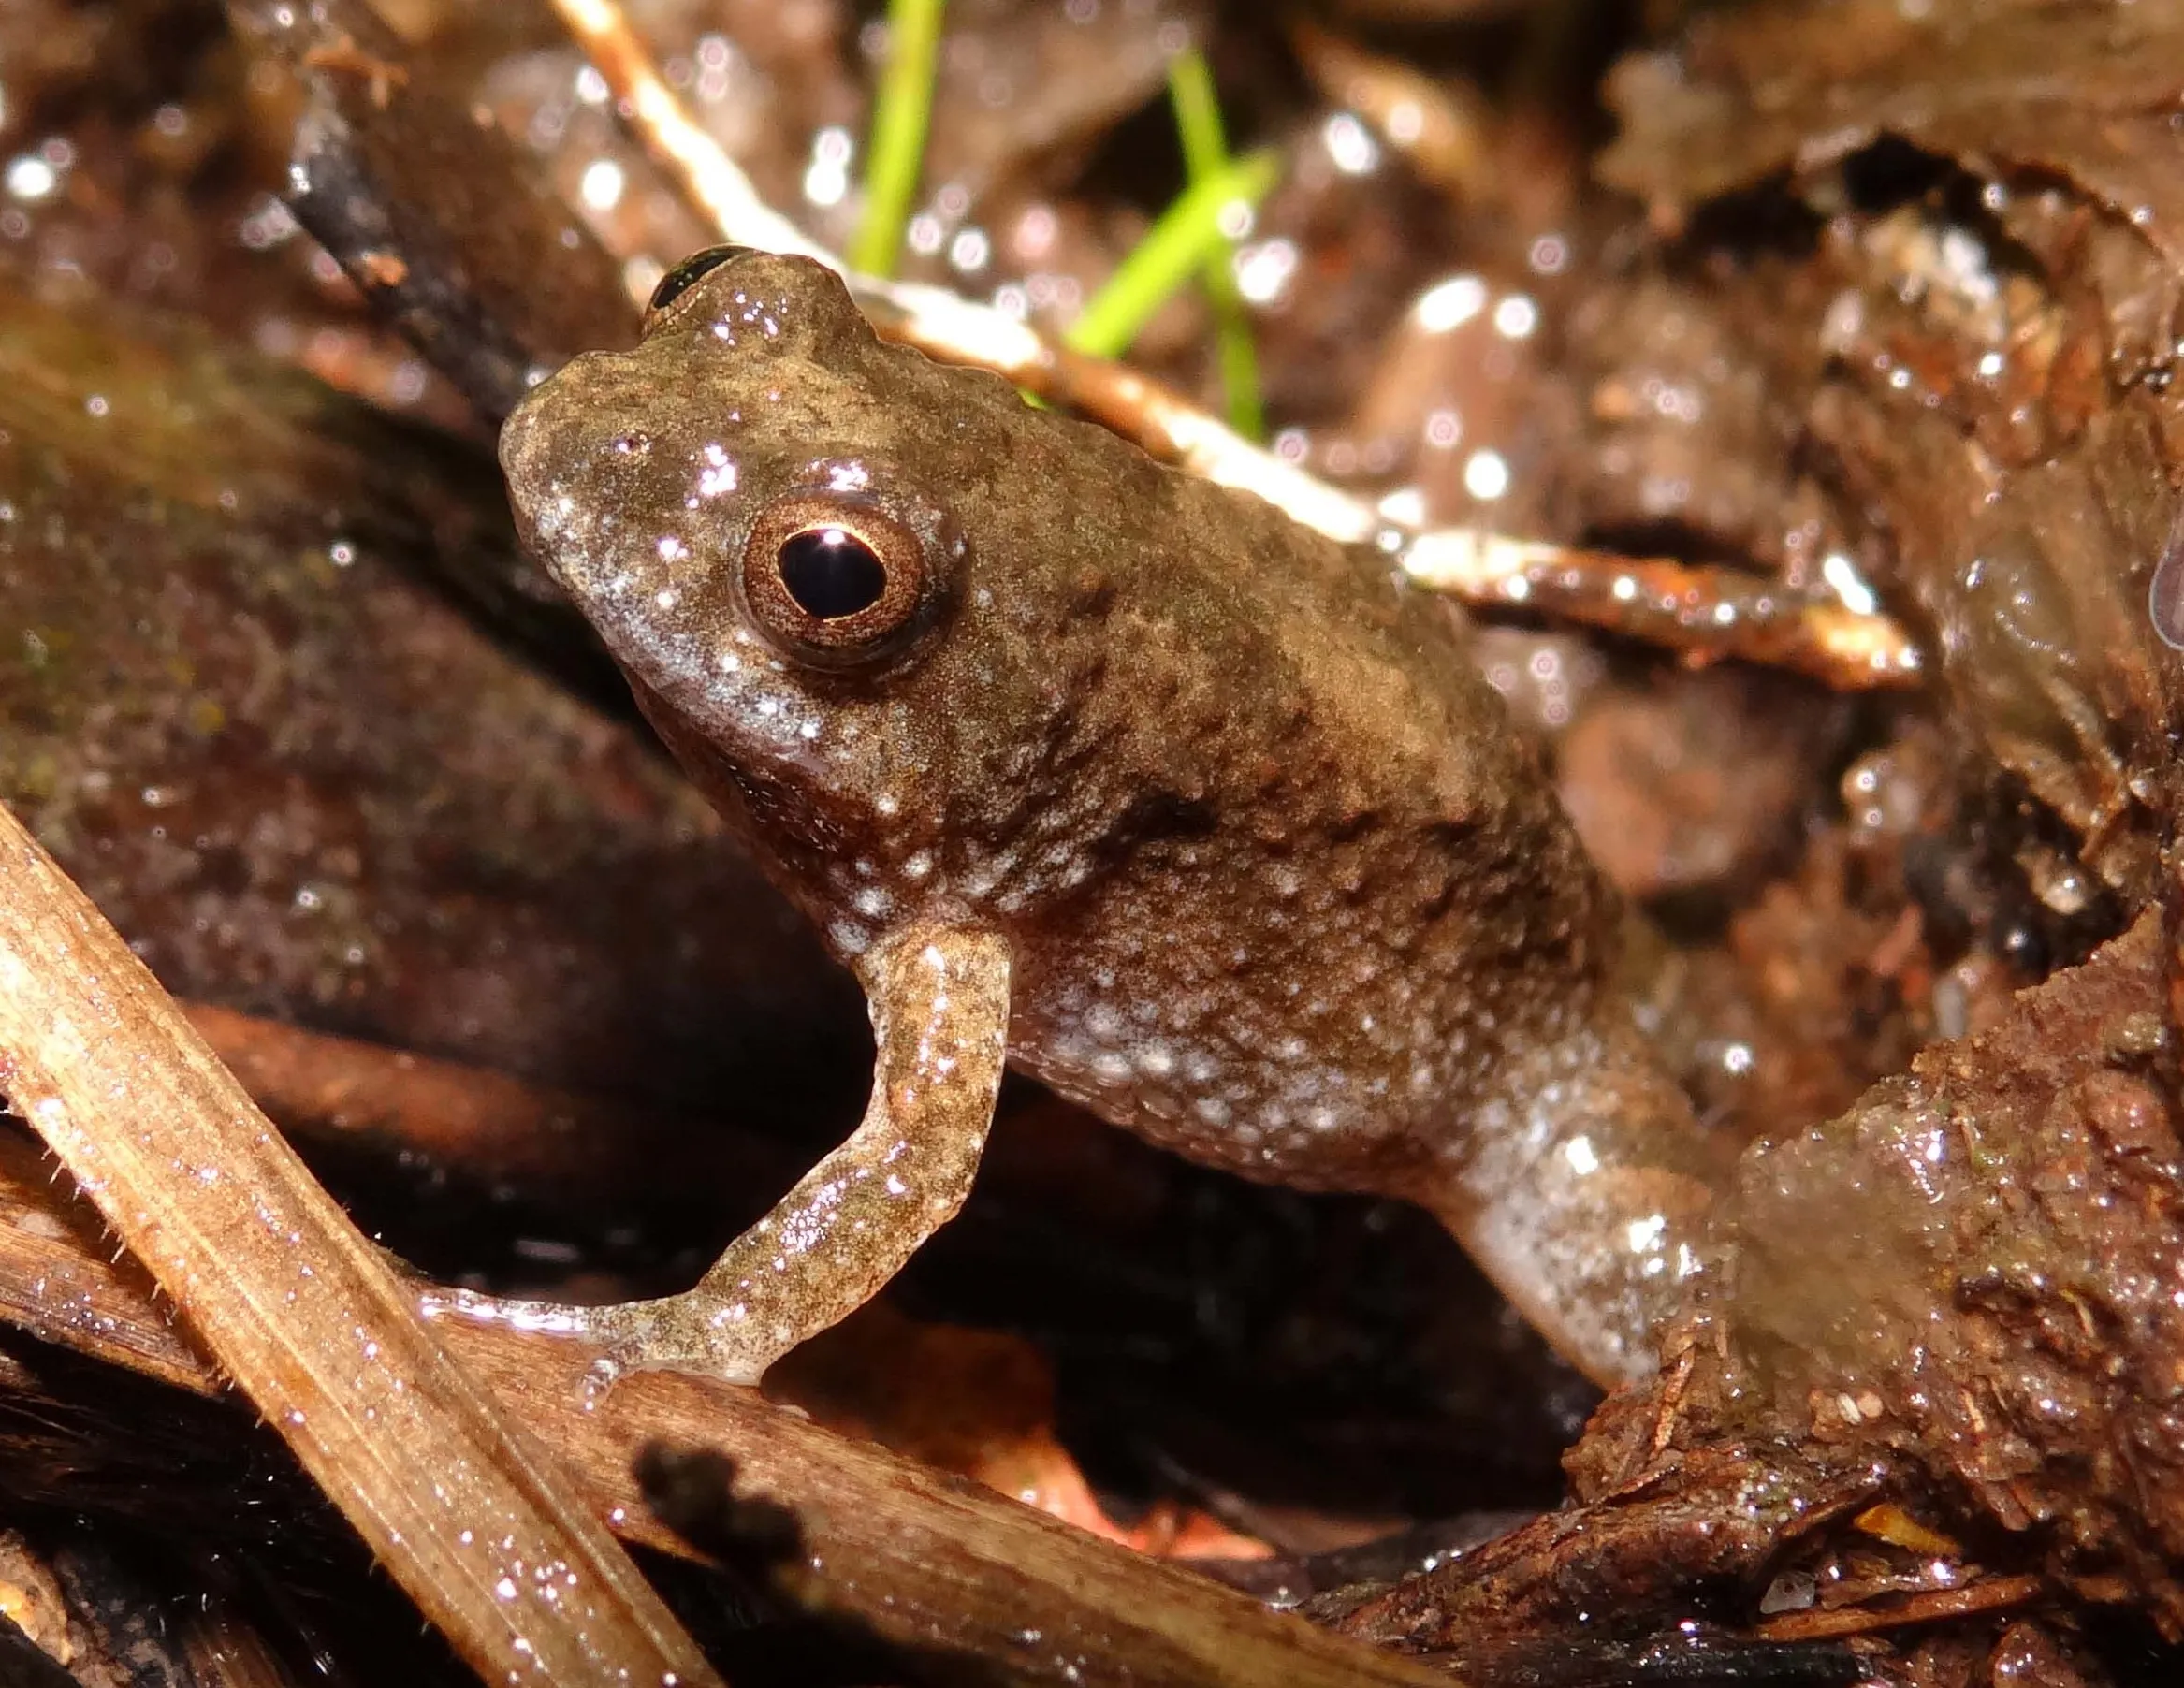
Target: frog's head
(819,560)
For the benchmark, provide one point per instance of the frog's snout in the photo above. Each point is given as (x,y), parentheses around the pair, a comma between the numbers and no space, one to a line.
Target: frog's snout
(519,449)
(526,457)
(526,447)
(565,465)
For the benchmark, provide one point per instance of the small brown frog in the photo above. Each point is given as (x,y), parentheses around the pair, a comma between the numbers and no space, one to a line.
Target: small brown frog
(1204,819)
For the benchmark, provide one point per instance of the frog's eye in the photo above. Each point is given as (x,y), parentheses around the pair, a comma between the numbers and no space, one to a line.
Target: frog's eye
(684,276)
(836,581)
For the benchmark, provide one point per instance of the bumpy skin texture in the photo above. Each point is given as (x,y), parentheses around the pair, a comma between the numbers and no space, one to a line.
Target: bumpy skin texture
(1281,890)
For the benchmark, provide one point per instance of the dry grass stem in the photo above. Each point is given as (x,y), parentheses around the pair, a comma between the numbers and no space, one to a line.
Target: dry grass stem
(923,1557)
(481,1529)
(488,1126)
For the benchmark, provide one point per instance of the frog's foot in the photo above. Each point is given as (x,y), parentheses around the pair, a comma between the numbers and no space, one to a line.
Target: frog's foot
(697,1331)
(940,1001)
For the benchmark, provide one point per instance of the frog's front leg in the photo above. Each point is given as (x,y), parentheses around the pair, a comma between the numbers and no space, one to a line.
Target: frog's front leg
(939,1004)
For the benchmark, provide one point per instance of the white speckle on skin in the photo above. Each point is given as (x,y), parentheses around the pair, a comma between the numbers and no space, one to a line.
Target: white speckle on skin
(719,475)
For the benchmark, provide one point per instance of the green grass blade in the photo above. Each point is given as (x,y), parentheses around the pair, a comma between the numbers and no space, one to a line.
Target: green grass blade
(1205,153)
(896,152)
(1198,113)
(1174,249)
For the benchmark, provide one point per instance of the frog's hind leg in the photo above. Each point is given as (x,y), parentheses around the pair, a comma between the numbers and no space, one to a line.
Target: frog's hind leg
(1585,1194)
(940,1001)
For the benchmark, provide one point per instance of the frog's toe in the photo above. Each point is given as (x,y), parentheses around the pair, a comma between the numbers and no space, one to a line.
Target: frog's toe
(941,1015)
(696,1332)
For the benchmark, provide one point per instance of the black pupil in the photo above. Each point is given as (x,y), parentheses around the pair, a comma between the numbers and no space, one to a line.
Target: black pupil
(831,573)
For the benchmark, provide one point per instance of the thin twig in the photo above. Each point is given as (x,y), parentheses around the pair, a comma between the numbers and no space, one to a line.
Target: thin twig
(483,1533)
(489,1126)
(1928,1605)
(1713,612)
